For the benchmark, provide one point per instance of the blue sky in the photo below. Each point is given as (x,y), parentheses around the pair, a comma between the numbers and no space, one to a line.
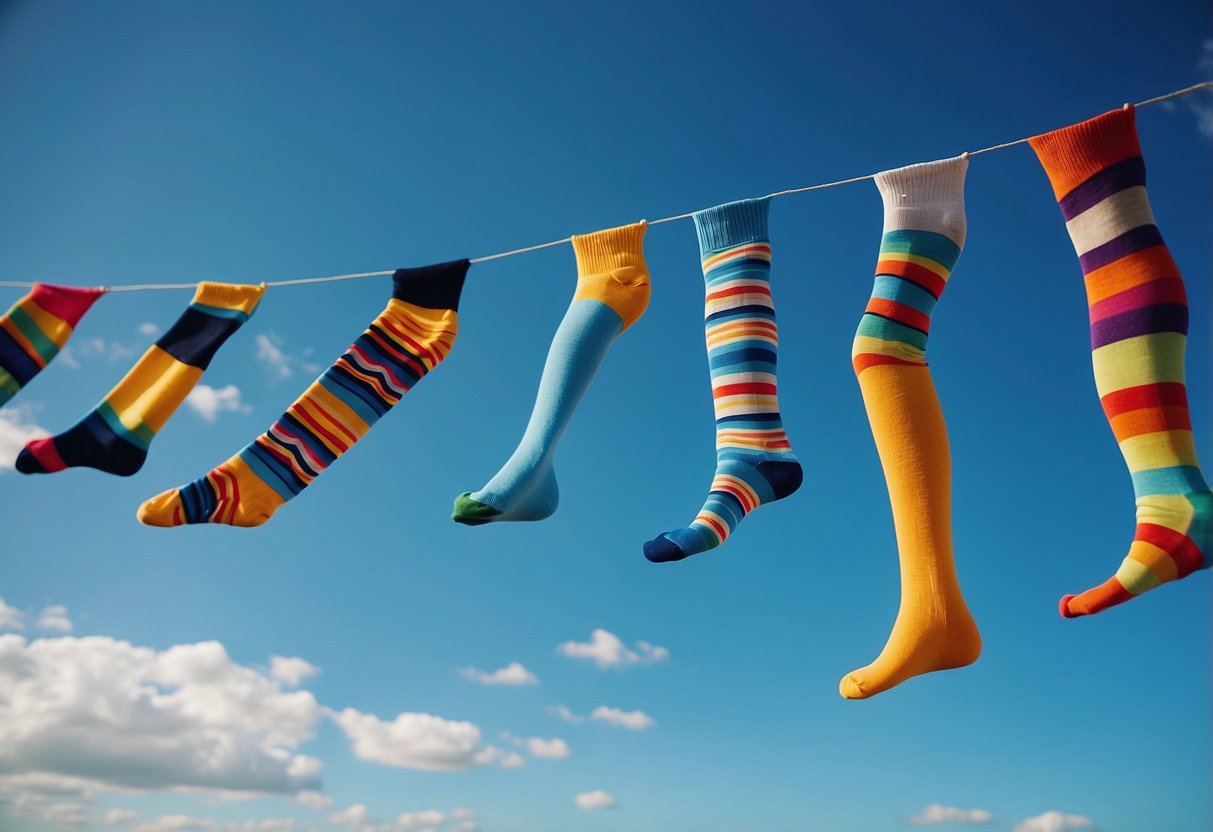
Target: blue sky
(157,142)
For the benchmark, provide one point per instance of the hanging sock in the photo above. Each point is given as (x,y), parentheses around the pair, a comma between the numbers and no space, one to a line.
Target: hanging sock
(408,339)
(116,435)
(924,231)
(35,329)
(1139,324)
(612,293)
(754,459)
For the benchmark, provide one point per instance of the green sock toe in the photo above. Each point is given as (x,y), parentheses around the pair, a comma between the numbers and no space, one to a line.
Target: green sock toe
(469,512)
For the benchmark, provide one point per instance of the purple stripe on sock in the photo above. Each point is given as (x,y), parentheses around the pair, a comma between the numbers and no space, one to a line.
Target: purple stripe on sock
(1161,317)
(1168,290)
(1143,236)
(1127,174)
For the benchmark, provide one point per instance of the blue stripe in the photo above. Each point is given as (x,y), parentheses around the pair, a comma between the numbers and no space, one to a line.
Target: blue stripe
(890,287)
(220,312)
(1177,479)
(271,476)
(332,382)
(929,244)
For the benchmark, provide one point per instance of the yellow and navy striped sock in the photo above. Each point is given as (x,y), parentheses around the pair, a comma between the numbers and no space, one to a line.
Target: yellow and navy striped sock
(116,435)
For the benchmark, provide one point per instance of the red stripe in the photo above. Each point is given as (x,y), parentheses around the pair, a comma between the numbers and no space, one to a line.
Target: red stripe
(921,275)
(302,444)
(1179,546)
(744,387)
(387,324)
(865,360)
(739,290)
(1168,290)
(320,430)
(721,532)
(47,454)
(899,312)
(1160,394)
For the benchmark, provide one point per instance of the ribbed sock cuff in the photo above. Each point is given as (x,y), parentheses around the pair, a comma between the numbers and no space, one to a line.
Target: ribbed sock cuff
(606,251)
(926,197)
(732,224)
(1074,154)
(237,297)
(434,287)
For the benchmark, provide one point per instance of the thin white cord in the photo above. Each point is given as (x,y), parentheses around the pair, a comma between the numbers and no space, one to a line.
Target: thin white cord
(142,287)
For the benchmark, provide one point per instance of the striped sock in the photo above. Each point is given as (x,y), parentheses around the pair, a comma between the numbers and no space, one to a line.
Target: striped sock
(924,230)
(116,435)
(1139,325)
(408,339)
(612,293)
(754,460)
(35,329)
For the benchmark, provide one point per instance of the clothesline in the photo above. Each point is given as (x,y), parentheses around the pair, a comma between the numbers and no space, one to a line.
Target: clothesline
(143,287)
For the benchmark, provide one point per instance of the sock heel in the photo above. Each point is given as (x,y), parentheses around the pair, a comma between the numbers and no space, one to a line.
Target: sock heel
(784,477)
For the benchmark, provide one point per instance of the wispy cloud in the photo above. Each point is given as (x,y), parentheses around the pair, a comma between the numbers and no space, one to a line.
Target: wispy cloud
(595,800)
(208,402)
(279,363)
(54,618)
(563,713)
(291,671)
(607,650)
(1201,103)
(632,720)
(11,618)
(17,426)
(1053,821)
(513,674)
(938,813)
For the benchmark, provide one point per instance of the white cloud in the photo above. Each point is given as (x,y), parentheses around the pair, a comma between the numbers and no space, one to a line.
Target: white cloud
(17,427)
(938,813)
(120,817)
(11,618)
(414,740)
(354,816)
(63,815)
(1201,103)
(413,820)
(291,671)
(632,720)
(54,618)
(1053,821)
(208,402)
(127,717)
(553,749)
(512,674)
(606,650)
(185,823)
(591,801)
(314,800)
(148,329)
(272,356)
(512,760)
(561,712)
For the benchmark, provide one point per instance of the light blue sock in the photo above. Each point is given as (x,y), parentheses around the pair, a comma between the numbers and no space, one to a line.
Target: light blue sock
(525,488)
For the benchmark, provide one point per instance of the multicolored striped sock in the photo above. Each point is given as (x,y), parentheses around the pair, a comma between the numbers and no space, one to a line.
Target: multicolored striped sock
(35,329)
(924,231)
(1139,326)
(612,293)
(409,338)
(116,435)
(754,459)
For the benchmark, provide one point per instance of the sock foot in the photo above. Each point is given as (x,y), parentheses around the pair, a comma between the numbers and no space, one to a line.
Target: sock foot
(913,652)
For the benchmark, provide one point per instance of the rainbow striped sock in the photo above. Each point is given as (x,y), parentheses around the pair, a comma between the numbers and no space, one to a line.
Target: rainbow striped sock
(408,339)
(754,460)
(1139,325)
(35,329)
(116,435)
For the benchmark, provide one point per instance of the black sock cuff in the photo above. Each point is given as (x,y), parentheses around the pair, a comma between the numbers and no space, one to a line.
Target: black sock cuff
(434,287)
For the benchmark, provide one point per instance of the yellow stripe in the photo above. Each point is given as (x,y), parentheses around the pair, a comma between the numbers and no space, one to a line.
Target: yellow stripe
(1161,449)
(917,260)
(153,390)
(867,345)
(1155,559)
(1146,359)
(1136,577)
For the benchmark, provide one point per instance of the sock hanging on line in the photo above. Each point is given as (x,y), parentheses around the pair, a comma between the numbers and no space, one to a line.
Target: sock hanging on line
(754,459)
(612,293)
(35,329)
(1139,325)
(924,231)
(408,339)
(116,435)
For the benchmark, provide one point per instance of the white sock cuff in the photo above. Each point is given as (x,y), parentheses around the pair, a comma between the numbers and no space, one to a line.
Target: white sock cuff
(926,197)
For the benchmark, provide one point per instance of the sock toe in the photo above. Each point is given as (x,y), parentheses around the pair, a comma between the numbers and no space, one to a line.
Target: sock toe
(27,463)
(163,510)
(1063,607)
(471,512)
(663,550)
(850,688)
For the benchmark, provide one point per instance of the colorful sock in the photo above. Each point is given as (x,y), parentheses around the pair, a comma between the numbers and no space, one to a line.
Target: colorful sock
(612,292)
(754,460)
(408,339)
(35,329)
(924,231)
(1139,326)
(116,435)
